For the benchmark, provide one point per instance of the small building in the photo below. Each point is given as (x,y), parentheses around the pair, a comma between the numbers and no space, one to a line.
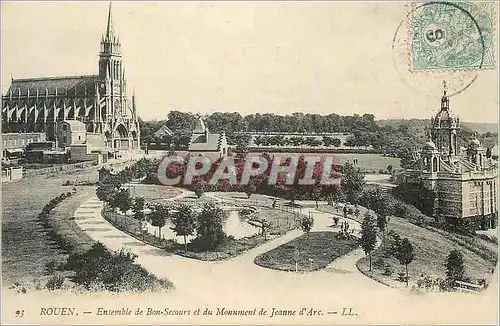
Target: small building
(14,144)
(204,143)
(45,152)
(80,145)
(163,131)
(12,173)
(71,132)
(83,152)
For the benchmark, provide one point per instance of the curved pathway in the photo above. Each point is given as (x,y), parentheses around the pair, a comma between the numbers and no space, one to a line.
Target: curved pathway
(240,270)
(238,283)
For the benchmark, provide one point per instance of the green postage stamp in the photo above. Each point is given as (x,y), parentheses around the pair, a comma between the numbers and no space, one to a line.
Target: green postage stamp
(452,35)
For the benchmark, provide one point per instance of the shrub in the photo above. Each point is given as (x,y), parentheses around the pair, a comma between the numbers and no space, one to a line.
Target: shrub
(55,282)
(417,195)
(455,269)
(379,263)
(99,268)
(402,277)
(209,227)
(51,267)
(388,271)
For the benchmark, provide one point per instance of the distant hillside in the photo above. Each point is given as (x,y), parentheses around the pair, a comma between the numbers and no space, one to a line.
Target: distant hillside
(481,127)
(418,125)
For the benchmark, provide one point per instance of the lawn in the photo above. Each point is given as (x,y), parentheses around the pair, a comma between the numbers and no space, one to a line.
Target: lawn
(369,162)
(152,192)
(311,252)
(26,247)
(430,249)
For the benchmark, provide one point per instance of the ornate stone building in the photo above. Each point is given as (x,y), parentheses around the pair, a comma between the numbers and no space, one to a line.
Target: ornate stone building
(99,101)
(464,180)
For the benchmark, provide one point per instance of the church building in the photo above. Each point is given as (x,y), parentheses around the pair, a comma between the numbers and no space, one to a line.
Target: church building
(463,179)
(100,101)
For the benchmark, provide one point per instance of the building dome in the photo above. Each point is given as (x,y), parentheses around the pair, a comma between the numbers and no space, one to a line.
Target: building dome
(445,119)
(430,145)
(474,143)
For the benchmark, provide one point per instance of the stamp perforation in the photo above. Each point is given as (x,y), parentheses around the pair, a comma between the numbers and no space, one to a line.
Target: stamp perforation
(410,8)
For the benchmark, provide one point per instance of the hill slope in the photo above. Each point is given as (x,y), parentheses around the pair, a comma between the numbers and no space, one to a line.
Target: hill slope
(421,124)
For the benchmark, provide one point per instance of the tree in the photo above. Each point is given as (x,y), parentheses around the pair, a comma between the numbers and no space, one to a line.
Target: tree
(455,270)
(209,229)
(352,182)
(306,224)
(159,217)
(199,188)
(112,200)
(317,193)
(184,223)
(264,226)
(138,208)
(250,189)
(124,200)
(405,255)
(335,193)
(329,141)
(368,235)
(381,224)
(417,195)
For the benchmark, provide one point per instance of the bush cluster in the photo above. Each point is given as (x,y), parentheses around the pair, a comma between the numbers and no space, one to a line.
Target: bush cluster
(100,268)
(43,218)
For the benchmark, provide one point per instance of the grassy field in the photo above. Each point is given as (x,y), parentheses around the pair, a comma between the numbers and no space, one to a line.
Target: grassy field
(370,162)
(322,247)
(152,192)
(431,247)
(431,250)
(26,247)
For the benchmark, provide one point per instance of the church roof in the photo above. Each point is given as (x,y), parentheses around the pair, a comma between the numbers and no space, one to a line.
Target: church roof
(206,142)
(200,127)
(75,124)
(51,85)
(164,130)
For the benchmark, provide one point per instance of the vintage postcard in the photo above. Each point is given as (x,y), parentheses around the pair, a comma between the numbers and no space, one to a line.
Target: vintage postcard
(249,163)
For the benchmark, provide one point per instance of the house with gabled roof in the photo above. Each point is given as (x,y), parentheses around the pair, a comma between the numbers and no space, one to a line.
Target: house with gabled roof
(163,131)
(205,143)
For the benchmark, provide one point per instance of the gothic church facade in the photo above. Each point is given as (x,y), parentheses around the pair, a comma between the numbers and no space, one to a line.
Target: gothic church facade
(100,101)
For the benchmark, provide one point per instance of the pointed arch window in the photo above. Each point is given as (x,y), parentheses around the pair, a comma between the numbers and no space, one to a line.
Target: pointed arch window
(434,164)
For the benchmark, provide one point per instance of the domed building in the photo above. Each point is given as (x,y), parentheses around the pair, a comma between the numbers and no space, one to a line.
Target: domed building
(463,179)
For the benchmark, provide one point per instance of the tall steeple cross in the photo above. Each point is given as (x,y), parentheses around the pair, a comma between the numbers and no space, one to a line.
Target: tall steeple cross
(444,87)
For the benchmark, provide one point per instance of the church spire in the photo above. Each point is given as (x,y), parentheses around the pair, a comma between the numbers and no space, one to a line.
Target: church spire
(109,30)
(110,42)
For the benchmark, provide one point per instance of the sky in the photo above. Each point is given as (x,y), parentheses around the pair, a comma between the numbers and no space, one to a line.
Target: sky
(246,57)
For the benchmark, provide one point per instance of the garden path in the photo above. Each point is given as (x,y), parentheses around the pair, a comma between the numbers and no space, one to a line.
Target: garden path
(238,283)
